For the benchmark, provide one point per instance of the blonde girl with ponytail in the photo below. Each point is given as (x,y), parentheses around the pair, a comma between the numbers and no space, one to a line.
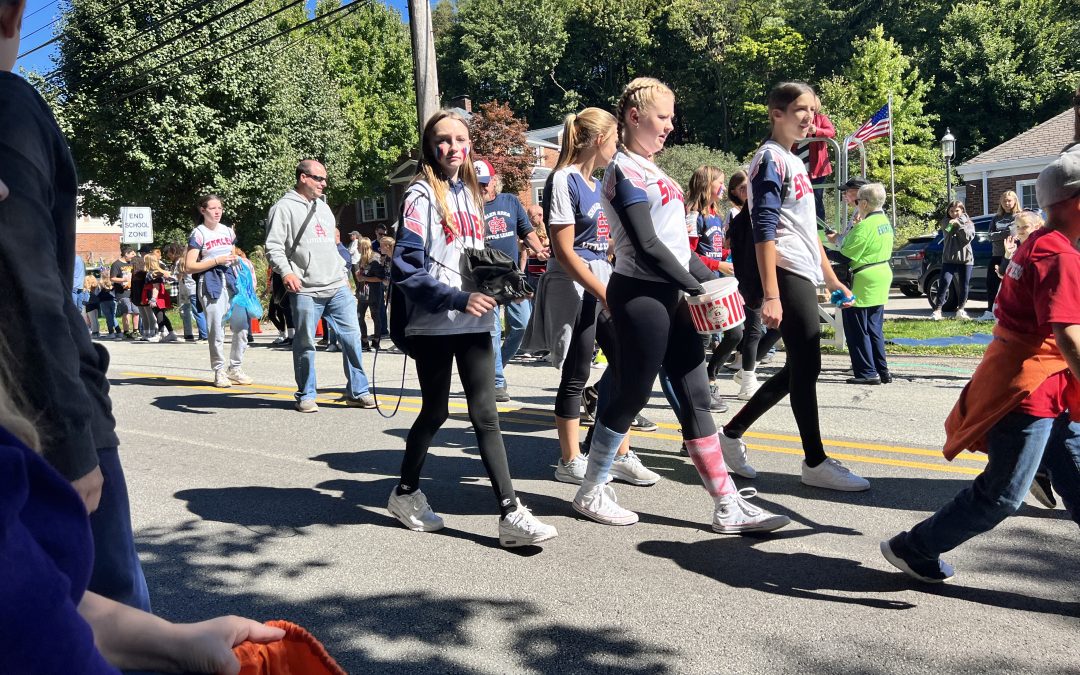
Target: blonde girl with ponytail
(576,284)
(442,217)
(654,269)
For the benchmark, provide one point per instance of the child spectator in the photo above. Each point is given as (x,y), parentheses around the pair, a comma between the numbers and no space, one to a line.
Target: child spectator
(107,305)
(91,304)
(156,298)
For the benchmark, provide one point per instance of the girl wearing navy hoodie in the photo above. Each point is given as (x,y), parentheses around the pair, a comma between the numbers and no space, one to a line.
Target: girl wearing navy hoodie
(442,217)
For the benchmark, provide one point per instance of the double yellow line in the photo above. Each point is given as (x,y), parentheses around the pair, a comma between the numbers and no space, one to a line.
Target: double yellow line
(544,419)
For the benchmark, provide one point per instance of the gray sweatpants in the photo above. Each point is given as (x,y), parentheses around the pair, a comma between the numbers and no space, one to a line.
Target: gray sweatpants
(215,328)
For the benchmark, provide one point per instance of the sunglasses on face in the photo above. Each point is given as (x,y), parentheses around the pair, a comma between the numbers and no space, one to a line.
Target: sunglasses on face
(317,179)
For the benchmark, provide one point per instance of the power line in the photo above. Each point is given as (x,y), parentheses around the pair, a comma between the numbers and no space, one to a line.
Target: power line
(39,10)
(241,29)
(233,53)
(56,21)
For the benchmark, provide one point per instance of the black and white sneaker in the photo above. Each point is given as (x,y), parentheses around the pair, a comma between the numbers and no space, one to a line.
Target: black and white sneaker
(922,569)
(1043,491)
(642,423)
(589,400)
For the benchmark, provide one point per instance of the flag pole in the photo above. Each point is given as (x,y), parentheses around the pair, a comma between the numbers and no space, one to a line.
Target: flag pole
(892,168)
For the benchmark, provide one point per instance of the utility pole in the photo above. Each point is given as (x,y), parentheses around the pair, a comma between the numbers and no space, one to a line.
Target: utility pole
(425,76)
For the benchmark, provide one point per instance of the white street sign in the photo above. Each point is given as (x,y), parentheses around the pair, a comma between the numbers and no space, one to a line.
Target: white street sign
(137,224)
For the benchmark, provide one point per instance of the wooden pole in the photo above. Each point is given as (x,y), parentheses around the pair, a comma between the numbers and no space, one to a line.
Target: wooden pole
(425,75)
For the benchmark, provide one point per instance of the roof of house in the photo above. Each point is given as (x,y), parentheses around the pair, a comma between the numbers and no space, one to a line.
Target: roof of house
(1046,139)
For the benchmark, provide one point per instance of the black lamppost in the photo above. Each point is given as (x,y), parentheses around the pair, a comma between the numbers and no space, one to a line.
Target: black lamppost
(948,151)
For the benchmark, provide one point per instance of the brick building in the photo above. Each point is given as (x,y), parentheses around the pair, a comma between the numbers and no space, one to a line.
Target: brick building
(1014,165)
(96,240)
(366,214)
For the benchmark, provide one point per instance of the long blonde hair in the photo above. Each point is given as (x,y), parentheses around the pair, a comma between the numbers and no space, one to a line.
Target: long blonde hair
(428,169)
(700,196)
(641,93)
(363,245)
(90,283)
(581,131)
(153,264)
(1001,204)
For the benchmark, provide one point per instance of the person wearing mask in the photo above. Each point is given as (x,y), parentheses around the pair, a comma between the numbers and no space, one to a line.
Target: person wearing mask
(301,246)
(957,259)
(506,224)
(869,247)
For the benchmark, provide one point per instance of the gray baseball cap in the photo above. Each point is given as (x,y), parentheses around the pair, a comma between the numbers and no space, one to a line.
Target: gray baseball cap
(1060,180)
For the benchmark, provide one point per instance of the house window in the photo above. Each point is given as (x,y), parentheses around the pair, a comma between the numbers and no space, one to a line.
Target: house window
(538,195)
(1025,190)
(373,208)
(539,155)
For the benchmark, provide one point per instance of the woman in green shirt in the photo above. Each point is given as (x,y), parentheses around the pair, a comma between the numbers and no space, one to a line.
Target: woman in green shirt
(869,246)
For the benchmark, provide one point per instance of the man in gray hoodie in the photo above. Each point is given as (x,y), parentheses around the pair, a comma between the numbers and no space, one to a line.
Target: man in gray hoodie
(300,246)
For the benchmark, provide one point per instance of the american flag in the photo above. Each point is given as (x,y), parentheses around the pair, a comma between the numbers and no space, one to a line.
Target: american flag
(878,126)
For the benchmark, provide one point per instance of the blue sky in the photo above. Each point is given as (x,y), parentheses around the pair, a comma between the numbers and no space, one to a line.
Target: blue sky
(40,13)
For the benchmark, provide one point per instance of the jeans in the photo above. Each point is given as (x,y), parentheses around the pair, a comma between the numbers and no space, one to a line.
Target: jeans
(117,573)
(339,311)
(962,273)
(517,319)
(189,313)
(863,328)
(1017,444)
(107,309)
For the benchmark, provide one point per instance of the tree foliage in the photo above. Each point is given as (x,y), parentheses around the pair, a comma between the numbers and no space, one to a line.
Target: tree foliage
(499,137)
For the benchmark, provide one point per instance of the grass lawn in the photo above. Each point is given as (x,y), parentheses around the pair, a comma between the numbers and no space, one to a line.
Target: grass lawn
(921,329)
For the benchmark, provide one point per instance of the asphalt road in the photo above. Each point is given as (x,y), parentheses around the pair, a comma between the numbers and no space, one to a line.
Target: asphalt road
(242,505)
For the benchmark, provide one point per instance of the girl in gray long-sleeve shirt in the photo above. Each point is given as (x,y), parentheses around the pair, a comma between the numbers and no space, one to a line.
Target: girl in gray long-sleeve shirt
(957,258)
(1000,230)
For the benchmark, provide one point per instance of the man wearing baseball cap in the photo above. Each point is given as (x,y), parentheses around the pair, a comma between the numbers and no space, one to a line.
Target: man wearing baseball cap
(505,223)
(1022,406)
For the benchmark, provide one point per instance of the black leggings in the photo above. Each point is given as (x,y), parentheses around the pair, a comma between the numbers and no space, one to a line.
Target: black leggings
(435,355)
(723,349)
(592,325)
(993,281)
(798,378)
(757,341)
(162,319)
(653,329)
(280,314)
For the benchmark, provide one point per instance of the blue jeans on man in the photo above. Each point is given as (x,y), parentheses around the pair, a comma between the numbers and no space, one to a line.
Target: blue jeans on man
(517,320)
(1017,445)
(117,572)
(189,312)
(864,332)
(340,311)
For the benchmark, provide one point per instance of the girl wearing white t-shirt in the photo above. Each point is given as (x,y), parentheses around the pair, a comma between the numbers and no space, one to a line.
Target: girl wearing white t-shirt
(442,217)
(210,255)
(791,263)
(654,267)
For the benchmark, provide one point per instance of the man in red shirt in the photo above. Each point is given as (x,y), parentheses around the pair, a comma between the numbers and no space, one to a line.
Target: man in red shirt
(1022,405)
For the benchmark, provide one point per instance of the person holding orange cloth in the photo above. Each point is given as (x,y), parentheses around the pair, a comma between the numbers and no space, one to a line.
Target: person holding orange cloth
(1022,406)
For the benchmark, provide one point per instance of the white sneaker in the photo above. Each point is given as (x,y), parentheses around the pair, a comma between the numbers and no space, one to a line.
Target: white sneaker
(736,364)
(735,515)
(832,475)
(936,315)
(629,469)
(171,337)
(521,528)
(156,337)
(962,315)
(414,512)
(735,456)
(600,504)
(238,376)
(572,471)
(748,384)
(333,348)
(221,380)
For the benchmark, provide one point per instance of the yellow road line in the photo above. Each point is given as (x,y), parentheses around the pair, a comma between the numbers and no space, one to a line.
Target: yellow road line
(253,389)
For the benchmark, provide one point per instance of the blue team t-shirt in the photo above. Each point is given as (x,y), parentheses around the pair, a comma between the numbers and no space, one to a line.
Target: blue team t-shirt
(710,232)
(569,199)
(505,221)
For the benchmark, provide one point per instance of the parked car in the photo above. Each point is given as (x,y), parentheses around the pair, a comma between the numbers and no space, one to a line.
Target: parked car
(907,264)
(931,271)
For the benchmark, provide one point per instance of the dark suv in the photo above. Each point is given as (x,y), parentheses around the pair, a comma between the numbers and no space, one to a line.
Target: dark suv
(907,264)
(931,271)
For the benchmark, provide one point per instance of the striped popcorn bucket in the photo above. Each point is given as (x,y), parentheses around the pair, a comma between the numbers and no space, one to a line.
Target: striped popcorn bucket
(719,308)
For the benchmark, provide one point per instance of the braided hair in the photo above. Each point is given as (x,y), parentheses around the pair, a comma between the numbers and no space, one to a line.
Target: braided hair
(640,93)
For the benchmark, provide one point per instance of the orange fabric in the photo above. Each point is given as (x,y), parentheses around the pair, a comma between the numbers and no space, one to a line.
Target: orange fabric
(298,653)
(1014,366)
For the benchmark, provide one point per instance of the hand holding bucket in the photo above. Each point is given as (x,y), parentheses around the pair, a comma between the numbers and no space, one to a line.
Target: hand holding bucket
(720,308)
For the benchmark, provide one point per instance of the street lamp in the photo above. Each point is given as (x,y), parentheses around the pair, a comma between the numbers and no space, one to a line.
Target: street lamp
(948,151)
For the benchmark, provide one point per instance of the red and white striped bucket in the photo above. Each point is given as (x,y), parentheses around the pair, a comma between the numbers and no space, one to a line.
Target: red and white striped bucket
(719,308)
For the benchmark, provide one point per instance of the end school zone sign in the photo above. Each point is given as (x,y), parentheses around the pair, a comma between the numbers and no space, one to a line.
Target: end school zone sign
(137,225)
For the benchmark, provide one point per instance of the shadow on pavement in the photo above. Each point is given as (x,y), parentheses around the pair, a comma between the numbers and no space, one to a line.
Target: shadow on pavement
(194,575)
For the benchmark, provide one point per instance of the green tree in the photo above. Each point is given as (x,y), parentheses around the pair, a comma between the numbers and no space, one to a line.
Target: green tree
(499,137)
(680,161)
(878,68)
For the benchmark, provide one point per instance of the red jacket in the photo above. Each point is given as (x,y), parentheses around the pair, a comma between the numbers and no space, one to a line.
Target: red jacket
(819,165)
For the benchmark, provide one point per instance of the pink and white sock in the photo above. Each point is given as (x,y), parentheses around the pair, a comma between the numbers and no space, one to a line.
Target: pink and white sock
(709,460)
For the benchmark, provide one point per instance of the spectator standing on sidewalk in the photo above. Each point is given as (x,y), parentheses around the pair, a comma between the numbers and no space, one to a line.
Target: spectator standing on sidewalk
(957,259)
(1001,228)
(869,247)
(301,247)
(59,371)
(120,275)
(506,223)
